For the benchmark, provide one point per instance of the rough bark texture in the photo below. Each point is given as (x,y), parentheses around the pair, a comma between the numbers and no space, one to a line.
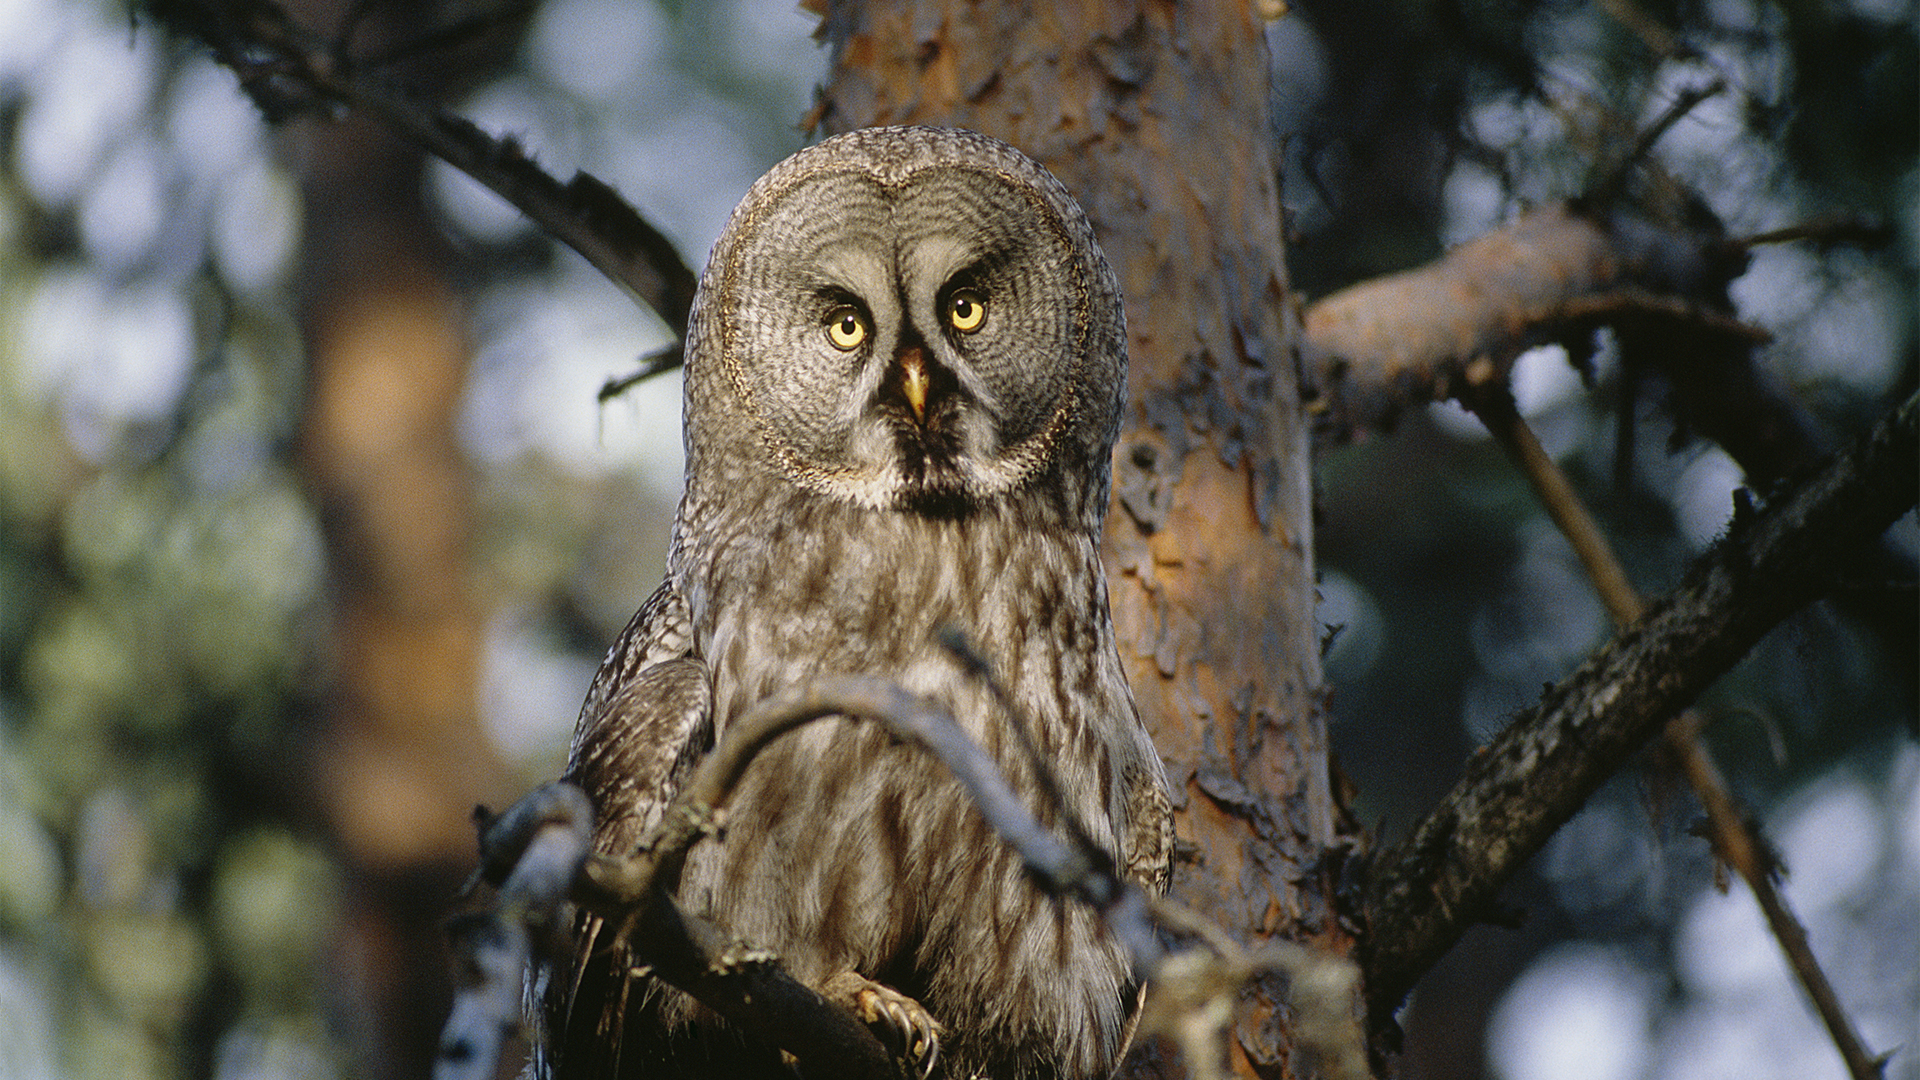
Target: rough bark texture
(1542,768)
(1155,117)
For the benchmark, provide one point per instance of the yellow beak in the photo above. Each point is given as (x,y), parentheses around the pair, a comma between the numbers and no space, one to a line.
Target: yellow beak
(913,381)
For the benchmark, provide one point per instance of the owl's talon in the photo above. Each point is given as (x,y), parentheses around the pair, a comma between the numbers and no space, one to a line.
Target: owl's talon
(903,1024)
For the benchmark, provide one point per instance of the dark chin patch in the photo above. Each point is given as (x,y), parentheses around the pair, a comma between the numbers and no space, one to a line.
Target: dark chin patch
(950,505)
(927,456)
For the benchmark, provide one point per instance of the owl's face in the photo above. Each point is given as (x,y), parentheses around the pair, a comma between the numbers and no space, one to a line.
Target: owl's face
(912,318)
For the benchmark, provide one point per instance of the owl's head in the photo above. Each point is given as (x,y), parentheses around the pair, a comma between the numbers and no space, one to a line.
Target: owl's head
(907,318)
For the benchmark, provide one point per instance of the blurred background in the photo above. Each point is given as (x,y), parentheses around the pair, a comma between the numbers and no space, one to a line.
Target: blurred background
(312,530)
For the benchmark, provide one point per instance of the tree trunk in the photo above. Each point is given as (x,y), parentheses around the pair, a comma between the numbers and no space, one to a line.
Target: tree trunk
(1155,116)
(401,760)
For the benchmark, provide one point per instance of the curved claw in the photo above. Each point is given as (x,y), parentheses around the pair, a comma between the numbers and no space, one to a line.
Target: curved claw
(901,1022)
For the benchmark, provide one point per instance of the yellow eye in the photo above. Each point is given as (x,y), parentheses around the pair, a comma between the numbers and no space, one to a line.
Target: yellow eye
(846,327)
(966,310)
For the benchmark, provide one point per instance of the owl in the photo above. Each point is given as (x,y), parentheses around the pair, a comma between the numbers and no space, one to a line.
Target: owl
(904,375)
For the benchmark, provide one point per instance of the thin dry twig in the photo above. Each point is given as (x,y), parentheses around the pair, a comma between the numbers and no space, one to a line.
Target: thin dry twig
(1060,867)
(658,362)
(976,666)
(1495,406)
(1832,231)
(1737,846)
(1683,103)
(1733,839)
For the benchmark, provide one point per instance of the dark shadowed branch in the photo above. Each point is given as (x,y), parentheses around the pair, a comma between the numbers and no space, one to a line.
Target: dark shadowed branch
(1423,895)
(289,71)
(1734,839)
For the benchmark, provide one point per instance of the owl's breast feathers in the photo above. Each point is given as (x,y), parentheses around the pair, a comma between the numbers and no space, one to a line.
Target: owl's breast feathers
(842,513)
(848,851)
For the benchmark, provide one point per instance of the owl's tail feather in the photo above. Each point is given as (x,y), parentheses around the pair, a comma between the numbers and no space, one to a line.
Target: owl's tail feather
(586,1011)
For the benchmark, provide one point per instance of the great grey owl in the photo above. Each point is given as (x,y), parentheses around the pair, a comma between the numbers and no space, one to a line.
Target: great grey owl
(903,382)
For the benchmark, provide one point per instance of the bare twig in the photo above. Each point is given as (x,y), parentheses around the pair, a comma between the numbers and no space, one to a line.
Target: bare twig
(1495,407)
(658,362)
(1060,867)
(1826,232)
(1737,846)
(1685,102)
(977,667)
(1731,834)
(1544,766)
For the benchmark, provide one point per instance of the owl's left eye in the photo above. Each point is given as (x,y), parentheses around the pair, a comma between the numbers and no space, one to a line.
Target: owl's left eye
(966,310)
(846,327)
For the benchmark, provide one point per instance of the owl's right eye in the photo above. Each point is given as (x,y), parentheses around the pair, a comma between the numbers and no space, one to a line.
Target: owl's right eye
(846,327)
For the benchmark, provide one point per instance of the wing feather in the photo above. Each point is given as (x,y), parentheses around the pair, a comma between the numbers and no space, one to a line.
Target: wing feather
(647,721)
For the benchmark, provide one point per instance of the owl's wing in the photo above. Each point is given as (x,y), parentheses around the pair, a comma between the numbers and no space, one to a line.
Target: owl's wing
(646,724)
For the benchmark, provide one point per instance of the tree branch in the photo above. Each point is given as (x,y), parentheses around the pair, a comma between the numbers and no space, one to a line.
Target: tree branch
(288,71)
(1733,838)
(1060,868)
(1735,844)
(535,869)
(1422,896)
(1556,275)
(535,854)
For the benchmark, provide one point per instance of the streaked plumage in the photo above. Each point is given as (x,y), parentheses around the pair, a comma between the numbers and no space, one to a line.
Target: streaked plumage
(903,382)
